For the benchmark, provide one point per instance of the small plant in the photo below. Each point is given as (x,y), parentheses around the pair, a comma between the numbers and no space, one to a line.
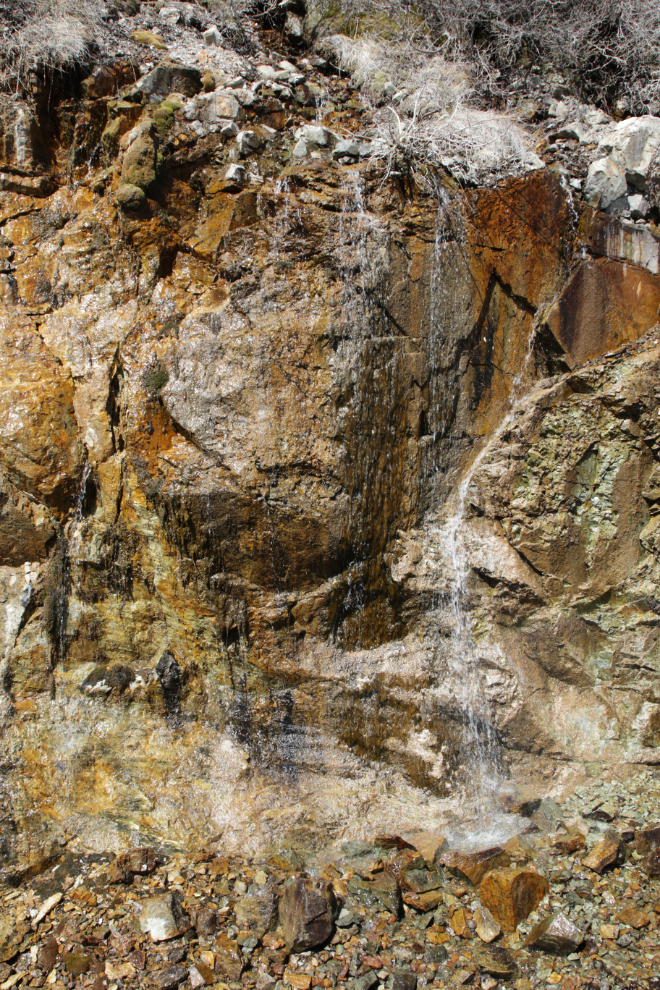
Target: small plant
(154,379)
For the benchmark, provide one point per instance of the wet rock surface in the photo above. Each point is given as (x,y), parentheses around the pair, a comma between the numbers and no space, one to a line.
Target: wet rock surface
(267,419)
(589,928)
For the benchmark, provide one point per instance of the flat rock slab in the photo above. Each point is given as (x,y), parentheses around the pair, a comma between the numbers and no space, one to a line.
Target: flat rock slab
(608,852)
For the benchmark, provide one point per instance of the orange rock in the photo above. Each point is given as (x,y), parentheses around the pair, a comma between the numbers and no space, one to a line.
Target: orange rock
(428,844)
(605,853)
(426,901)
(473,867)
(512,894)
(459,923)
(435,937)
(301,981)
(634,917)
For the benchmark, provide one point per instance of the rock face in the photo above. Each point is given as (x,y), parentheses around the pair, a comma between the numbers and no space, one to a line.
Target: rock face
(262,426)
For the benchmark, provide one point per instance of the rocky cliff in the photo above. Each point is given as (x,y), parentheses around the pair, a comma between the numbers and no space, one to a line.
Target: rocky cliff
(295,452)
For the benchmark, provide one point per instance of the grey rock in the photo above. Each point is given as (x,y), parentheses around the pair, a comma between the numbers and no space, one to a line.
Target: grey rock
(347,147)
(170,15)
(168,979)
(633,146)
(157,919)
(212,36)
(606,182)
(293,27)
(555,934)
(170,77)
(236,173)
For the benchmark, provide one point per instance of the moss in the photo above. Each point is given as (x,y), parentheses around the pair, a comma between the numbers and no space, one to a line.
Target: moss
(154,379)
(163,119)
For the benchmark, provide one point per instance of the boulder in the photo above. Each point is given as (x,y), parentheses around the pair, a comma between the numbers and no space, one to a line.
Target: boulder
(293,28)
(430,845)
(633,146)
(555,934)
(212,36)
(349,148)
(170,77)
(307,910)
(512,894)
(606,183)
(214,109)
(633,917)
(382,890)
(126,865)
(170,15)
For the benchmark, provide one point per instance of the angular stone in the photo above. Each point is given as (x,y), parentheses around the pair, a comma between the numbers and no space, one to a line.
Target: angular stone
(496,960)
(647,845)
(555,934)
(307,910)
(163,917)
(417,879)
(228,959)
(47,954)
(633,146)
(426,901)
(608,852)
(609,932)
(569,843)
(76,962)
(459,923)
(512,894)
(633,917)
(200,975)
(473,867)
(606,182)
(403,979)
(429,844)
(170,77)
(487,928)
(206,921)
(382,890)
(10,940)
(257,911)
(169,979)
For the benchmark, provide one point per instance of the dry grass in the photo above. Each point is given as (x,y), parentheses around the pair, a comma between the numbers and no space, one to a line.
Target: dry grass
(47,34)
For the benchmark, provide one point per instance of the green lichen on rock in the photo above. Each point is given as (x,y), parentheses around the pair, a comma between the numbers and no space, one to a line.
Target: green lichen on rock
(139,166)
(164,116)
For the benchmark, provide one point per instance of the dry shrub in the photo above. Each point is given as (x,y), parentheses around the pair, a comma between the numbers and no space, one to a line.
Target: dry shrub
(608,50)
